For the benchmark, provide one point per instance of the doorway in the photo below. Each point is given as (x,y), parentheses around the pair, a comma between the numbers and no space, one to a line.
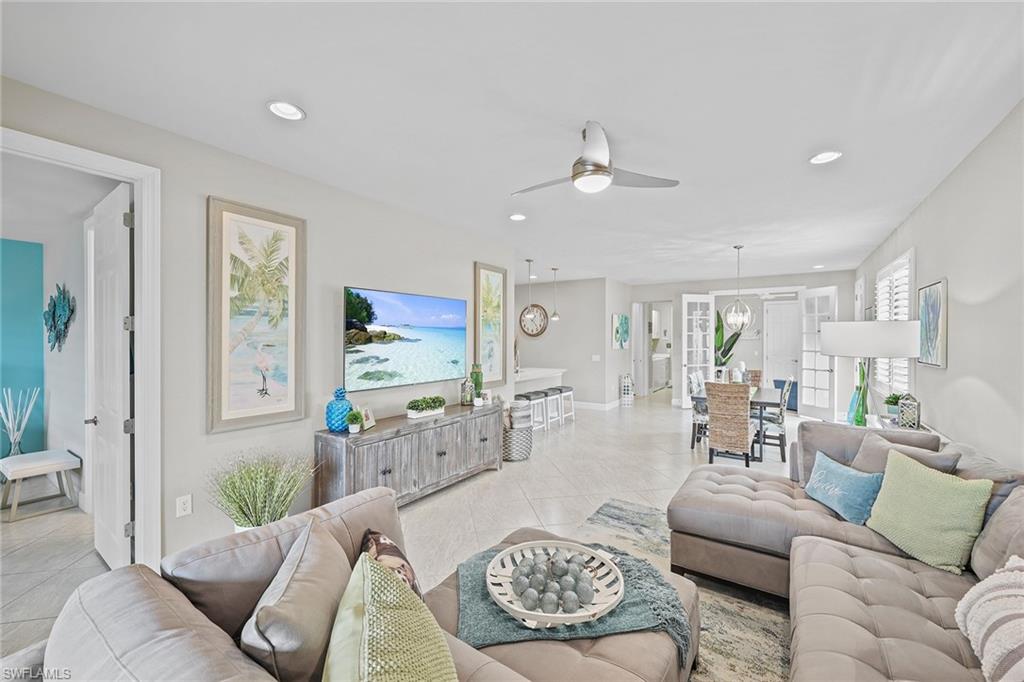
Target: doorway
(781,341)
(123,247)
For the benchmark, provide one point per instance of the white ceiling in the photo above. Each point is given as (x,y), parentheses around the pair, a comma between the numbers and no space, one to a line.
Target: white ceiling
(40,197)
(445,109)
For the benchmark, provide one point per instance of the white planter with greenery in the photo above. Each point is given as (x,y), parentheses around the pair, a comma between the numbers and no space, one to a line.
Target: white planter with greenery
(258,489)
(428,406)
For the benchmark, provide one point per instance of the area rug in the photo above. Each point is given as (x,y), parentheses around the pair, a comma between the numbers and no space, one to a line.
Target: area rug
(744,634)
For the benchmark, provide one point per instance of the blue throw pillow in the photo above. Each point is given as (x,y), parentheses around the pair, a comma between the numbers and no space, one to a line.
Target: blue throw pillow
(844,490)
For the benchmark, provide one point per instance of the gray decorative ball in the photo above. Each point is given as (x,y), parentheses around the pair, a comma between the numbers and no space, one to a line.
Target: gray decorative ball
(538,582)
(549,602)
(530,599)
(520,585)
(585,591)
(570,602)
(567,583)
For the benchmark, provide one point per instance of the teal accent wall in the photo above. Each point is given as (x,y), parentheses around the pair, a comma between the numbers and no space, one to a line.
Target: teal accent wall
(21,332)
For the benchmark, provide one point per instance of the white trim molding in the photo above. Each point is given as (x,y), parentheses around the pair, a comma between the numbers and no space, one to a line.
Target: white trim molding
(601,407)
(145,181)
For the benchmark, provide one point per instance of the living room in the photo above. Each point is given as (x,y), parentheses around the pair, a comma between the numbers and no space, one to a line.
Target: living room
(337,272)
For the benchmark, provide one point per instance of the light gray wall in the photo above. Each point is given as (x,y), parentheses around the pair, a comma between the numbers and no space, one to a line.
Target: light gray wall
(571,342)
(843,280)
(397,251)
(618,301)
(970,230)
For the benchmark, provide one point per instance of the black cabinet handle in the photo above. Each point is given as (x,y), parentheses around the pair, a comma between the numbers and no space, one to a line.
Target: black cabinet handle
(385,472)
(483,439)
(442,453)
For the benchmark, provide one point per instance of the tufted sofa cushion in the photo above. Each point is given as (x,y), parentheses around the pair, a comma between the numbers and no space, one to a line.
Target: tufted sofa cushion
(759,511)
(865,615)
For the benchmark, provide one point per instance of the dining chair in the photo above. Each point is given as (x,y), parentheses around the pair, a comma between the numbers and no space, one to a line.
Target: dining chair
(775,421)
(752,377)
(730,431)
(699,425)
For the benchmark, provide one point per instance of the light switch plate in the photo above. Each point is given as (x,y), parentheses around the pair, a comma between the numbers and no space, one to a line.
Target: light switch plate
(595,358)
(183,506)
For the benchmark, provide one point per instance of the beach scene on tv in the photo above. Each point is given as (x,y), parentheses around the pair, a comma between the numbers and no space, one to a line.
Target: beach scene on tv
(394,339)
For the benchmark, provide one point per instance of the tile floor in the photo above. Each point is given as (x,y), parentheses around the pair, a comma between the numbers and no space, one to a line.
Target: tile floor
(42,560)
(639,454)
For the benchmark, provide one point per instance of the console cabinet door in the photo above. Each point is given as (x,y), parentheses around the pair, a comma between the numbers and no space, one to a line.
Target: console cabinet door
(439,454)
(484,436)
(390,463)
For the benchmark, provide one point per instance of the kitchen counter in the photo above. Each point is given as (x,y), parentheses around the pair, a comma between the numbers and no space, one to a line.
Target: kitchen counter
(535,378)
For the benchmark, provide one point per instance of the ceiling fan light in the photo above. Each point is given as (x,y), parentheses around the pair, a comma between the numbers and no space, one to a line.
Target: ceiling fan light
(592,182)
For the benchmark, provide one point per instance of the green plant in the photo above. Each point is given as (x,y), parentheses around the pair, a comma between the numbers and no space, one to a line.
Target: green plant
(358,307)
(723,346)
(354,417)
(893,399)
(258,488)
(432,402)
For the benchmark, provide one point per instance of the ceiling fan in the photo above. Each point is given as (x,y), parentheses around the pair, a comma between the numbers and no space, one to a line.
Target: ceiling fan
(593,171)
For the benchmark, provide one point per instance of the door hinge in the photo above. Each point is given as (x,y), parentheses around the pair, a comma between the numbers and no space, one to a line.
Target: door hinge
(129,426)
(129,529)
(128,217)
(128,323)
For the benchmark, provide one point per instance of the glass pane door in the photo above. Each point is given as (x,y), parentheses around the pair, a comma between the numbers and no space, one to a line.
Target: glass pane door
(817,371)
(698,340)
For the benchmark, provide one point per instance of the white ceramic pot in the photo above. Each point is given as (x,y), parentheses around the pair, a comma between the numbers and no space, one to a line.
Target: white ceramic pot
(354,428)
(242,529)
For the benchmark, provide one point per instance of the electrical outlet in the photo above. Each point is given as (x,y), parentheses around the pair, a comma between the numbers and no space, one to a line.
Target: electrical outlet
(183,506)
(595,358)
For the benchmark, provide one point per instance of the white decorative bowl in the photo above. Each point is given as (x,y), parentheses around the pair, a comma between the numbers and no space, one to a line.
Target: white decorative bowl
(608,583)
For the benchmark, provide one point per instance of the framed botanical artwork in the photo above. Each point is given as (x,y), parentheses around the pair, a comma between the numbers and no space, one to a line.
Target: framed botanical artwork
(489,322)
(931,311)
(620,331)
(256,305)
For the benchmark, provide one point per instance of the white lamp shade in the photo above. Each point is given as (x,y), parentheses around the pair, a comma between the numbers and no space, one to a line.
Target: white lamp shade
(874,339)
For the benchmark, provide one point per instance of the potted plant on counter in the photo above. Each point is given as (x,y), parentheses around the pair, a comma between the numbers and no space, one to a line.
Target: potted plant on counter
(257,489)
(428,406)
(892,403)
(354,419)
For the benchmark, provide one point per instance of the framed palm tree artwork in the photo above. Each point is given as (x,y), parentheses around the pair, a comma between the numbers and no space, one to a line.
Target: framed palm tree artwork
(256,293)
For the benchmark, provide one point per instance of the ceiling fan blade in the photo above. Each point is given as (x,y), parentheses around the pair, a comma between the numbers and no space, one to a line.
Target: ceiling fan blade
(595,144)
(549,183)
(625,178)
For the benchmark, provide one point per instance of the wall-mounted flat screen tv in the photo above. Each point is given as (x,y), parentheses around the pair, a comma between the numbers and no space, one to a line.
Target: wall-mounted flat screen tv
(394,339)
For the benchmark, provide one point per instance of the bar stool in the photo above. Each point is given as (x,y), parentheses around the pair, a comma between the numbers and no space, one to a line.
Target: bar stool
(553,406)
(567,392)
(538,408)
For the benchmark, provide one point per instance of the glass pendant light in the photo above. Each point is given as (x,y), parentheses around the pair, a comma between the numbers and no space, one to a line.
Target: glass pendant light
(555,317)
(529,285)
(738,316)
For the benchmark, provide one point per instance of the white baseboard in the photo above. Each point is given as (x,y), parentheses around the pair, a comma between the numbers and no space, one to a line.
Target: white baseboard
(602,407)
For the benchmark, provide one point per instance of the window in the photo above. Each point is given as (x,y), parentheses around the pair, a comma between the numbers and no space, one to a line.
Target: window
(892,302)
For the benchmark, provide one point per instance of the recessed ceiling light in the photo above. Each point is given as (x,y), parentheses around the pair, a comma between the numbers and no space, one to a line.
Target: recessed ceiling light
(827,156)
(818,267)
(516,217)
(286,110)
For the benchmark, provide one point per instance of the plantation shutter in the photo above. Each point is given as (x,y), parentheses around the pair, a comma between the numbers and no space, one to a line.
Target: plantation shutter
(892,302)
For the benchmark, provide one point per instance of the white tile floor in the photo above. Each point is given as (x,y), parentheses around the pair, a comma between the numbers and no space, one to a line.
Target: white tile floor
(640,454)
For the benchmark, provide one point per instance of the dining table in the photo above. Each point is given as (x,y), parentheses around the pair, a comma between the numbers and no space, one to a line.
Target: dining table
(760,398)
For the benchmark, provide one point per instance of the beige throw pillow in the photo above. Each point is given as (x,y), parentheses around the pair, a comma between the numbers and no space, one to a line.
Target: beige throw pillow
(874,453)
(291,626)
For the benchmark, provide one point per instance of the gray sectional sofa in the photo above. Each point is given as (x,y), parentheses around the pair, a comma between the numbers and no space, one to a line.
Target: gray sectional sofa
(860,608)
(134,624)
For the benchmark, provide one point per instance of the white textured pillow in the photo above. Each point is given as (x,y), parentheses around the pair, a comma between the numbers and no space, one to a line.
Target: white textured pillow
(991,616)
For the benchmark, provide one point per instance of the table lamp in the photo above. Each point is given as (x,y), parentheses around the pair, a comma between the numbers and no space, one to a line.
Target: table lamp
(868,340)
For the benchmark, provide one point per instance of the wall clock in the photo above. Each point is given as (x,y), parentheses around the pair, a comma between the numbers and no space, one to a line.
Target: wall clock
(536,324)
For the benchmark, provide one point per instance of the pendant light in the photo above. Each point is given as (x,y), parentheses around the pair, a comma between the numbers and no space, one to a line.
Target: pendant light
(529,285)
(555,317)
(738,316)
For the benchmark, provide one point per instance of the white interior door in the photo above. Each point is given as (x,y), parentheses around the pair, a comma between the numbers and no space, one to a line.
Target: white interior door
(108,448)
(817,372)
(781,340)
(698,340)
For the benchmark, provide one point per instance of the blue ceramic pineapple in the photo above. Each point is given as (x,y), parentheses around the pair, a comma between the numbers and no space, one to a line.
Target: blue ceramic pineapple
(337,410)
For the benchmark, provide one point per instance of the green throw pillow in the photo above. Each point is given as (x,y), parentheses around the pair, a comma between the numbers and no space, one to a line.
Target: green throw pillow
(383,632)
(933,517)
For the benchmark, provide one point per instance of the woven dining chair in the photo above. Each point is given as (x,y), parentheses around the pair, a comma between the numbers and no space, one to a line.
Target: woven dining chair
(730,431)
(752,377)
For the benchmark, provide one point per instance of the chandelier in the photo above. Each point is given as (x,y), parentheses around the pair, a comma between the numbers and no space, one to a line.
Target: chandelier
(738,316)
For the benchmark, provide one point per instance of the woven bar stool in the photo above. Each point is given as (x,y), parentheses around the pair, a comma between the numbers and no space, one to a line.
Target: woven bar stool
(554,414)
(538,408)
(569,411)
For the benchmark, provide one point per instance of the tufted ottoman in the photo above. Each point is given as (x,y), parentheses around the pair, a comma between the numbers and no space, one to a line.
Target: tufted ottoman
(858,614)
(738,524)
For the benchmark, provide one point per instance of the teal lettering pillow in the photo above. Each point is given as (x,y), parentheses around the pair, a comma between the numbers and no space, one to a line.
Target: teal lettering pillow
(844,490)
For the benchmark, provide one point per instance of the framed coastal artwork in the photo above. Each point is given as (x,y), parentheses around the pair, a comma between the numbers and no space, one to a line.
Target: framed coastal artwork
(620,331)
(256,303)
(489,322)
(931,311)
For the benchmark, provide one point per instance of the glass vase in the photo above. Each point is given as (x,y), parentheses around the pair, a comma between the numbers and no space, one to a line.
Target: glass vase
(337,410)
(477,375)
(860,410)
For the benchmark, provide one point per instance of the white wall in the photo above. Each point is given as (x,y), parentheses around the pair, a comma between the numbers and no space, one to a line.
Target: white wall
(618,301)
(398,251)
(843,280)
(970,230)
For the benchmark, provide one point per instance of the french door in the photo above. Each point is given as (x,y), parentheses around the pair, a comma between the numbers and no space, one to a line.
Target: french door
(698,340)
(817,384)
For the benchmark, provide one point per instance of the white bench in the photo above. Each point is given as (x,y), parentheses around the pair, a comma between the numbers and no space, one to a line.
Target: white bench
(19,467)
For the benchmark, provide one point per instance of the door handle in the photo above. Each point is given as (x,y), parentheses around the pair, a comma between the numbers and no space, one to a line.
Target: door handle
(94,421)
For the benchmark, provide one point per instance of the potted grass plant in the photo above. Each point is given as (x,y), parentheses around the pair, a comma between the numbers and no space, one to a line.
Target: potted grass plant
(354,419)
(258,488)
